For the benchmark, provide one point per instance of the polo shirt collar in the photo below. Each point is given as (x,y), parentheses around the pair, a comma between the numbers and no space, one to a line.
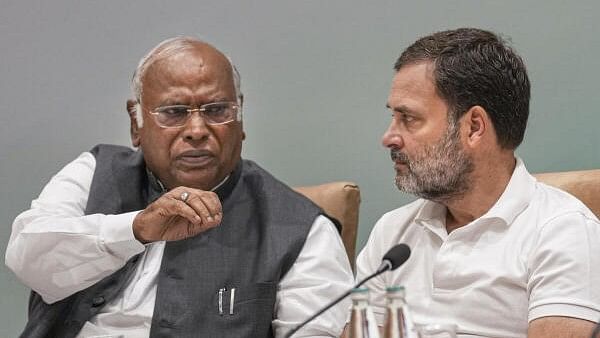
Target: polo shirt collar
(512,202)
(516,196)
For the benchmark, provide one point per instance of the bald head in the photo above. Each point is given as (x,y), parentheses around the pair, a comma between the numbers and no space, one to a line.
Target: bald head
(171,48)
(198,153)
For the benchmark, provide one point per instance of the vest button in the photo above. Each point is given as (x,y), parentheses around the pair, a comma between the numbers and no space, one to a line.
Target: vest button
(97,301)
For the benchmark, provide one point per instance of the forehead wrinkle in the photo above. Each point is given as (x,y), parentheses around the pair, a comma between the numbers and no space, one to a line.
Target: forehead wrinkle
(188,74)
(412,87)
(176,67)
(181,44)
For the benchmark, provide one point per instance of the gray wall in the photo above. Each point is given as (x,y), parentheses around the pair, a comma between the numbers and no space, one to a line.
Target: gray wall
(316,76)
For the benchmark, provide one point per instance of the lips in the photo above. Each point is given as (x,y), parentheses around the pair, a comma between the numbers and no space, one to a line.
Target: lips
(400,165)
(195,158)
(399,158)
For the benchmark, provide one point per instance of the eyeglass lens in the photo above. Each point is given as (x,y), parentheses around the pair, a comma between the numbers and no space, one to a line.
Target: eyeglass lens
(213,113)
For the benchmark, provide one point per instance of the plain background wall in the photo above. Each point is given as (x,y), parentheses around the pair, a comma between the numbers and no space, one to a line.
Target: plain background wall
(315,74)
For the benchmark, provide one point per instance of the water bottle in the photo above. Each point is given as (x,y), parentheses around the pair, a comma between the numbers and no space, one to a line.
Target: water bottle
(362,320)
(398,323)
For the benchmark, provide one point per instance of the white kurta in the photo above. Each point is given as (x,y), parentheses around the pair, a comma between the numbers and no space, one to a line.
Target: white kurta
(56,251)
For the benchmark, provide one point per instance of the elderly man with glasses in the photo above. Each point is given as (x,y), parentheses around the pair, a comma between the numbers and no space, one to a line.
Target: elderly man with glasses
(181,238)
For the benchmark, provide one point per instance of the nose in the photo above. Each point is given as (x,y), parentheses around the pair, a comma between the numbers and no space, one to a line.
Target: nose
(392,138)
(195,128)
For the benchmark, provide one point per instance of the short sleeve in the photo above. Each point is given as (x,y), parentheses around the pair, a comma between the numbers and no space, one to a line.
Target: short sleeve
(564,269)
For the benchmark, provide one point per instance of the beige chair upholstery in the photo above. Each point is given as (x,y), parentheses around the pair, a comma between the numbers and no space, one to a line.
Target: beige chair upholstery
(583,184)
(341,201)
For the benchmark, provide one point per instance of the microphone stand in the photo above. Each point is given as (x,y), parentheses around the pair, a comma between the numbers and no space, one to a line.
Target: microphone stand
(395,257)
(386,265)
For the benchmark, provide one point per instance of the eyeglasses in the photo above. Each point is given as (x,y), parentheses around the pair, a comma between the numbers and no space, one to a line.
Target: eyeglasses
(213,113)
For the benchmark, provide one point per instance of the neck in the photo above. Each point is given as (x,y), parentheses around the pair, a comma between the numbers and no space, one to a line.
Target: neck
(488,182)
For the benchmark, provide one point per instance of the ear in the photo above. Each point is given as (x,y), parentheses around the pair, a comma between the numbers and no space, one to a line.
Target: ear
(241,100)
(134,128)
(477,124)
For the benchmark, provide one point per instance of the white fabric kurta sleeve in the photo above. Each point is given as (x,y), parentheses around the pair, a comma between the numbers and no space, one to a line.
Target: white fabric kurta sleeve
(56,250)
(320,274)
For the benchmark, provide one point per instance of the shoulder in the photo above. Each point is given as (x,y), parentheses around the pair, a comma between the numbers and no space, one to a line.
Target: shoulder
(109,149)
(395,226)
(394,223)
(551,204)
(118,160)
(270,188)
(253,172)
(566,243)
(81,168)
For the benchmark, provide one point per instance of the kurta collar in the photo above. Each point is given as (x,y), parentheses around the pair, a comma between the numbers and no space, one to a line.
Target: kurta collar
(223,189)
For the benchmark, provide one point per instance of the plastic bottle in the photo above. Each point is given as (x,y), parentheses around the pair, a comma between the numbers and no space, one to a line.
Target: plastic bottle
(397,322)
(362,320)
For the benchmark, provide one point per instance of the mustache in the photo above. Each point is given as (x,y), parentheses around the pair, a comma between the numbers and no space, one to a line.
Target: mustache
(398,156)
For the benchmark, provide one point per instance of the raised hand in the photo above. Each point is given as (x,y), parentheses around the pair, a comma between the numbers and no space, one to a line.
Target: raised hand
(179,214)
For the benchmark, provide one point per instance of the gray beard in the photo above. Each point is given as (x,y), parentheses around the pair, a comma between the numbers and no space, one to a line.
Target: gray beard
(439,172)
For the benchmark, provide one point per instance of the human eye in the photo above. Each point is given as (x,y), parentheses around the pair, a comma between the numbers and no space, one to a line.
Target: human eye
(219,112)
(407,118)
(215,109)
(403,117)
(173,111)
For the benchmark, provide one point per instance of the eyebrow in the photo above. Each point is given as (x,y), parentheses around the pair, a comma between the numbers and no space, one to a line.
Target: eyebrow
(402,109)
(171,102)
(179,102)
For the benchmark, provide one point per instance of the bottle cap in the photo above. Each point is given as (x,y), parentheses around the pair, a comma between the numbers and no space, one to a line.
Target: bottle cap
(360,290)
(360,294)
(395,288)
(395,292)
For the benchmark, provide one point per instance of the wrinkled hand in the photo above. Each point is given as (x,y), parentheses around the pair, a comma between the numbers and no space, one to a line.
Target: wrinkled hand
(170,218)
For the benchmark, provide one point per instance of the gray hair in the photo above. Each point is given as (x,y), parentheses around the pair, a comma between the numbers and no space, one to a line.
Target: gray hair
(163,50)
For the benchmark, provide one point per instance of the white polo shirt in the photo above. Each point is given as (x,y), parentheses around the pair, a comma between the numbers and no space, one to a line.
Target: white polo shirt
(535,253)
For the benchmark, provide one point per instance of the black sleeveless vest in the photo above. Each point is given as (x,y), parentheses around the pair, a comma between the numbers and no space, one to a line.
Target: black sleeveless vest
(264,227)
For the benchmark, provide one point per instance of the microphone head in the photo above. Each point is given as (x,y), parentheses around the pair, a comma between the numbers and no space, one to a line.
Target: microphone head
(397,255)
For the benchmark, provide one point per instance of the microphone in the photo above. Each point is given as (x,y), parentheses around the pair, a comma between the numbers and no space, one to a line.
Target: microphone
(395,257)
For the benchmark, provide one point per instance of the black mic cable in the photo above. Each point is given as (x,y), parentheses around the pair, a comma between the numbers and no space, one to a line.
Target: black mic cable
(395,257)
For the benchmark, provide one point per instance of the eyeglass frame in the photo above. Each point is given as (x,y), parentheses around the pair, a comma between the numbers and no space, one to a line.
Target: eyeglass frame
(200,109)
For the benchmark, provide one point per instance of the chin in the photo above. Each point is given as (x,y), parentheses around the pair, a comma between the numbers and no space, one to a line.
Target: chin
(204,180)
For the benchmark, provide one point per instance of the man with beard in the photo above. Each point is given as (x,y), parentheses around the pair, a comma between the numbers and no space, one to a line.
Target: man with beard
(181,238)
(493,251)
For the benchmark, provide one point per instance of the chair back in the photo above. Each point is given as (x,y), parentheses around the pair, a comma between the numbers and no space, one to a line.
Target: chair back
(583,184)
(340,200)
